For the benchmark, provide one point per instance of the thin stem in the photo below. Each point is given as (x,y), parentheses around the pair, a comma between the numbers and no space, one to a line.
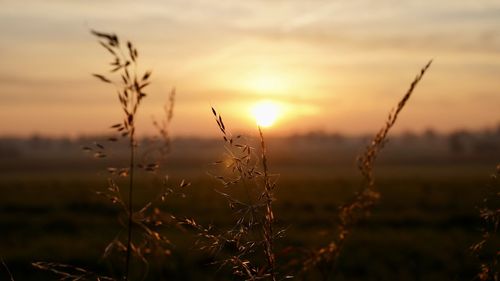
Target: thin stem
(7,270)
(133,104)
(250,201)
(268,225)
(130,207)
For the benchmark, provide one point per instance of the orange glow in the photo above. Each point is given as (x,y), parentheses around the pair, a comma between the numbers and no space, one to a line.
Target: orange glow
(266,82)
(266,113)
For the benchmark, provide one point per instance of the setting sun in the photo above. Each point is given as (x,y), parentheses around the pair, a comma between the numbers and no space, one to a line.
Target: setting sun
(266,113)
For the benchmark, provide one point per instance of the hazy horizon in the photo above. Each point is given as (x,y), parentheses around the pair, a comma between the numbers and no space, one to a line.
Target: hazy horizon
(270,134)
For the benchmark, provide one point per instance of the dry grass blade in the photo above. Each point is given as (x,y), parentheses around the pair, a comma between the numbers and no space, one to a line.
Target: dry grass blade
(7,270)
(324,259)
(367,159)
(269,217)
(66,272)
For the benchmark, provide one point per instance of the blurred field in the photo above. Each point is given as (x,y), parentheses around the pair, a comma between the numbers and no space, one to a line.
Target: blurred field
(421,230)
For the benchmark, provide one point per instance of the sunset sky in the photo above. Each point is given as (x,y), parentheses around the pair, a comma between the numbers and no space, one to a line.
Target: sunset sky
(335,66)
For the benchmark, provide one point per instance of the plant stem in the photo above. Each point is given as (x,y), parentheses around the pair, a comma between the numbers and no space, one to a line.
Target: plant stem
(130,208)
(268,225)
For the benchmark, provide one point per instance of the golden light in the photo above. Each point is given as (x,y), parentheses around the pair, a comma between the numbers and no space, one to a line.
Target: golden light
(266,82)
(266,113)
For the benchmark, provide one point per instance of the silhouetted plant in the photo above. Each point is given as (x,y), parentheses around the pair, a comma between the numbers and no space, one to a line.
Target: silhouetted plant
(247,246)
(325,258)
(148,219)
(487,249)
(130,90)
(249,241)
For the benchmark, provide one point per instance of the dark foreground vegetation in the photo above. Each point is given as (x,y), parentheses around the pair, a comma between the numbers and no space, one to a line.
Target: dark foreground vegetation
(421,229)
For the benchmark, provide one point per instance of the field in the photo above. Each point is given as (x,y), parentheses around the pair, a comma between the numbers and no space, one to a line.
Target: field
(318,205)
(420,230)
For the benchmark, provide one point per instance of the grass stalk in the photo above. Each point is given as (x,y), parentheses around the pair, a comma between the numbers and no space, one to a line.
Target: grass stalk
(360,206)
(269,217)
(7,270)
(130,205)
(130,94)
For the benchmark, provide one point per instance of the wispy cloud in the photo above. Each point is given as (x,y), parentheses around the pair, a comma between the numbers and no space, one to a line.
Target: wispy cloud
(348,53)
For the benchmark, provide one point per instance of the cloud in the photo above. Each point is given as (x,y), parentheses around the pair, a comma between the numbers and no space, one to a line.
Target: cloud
(330,52)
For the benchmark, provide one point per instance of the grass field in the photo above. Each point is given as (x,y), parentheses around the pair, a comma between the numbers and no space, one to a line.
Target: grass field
(421,229)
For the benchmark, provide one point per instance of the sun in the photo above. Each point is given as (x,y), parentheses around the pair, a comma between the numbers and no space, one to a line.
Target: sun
(266,113)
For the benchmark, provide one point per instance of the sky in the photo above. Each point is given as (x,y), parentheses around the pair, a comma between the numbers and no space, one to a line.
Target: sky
(332,66)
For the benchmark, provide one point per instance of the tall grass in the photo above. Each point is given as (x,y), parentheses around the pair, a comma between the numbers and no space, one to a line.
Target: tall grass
(487,249)
(269,216)
(142,226)
(249,241)
(248,246)
(325,258)
(149,219)
(130,92)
